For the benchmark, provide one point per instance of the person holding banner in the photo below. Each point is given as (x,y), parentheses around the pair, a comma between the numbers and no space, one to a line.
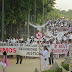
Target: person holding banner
(18,56)
(4,63)
(44,54)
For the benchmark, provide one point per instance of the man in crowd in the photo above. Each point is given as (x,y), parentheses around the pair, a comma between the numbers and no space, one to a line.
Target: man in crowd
(18,56)
(51,53)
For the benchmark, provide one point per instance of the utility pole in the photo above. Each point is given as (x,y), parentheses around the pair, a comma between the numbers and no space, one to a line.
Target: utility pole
(2,20)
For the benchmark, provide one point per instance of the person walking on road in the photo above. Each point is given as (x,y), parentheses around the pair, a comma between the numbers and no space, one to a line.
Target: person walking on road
(51,53)
(44,54)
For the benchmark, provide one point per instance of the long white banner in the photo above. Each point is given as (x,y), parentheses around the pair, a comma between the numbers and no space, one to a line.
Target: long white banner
(31,51)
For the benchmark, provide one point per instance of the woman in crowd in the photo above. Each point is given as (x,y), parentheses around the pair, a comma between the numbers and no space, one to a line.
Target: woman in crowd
(44,57)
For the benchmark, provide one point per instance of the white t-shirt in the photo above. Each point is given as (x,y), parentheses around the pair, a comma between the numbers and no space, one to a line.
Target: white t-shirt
(68,46)
(8,40)
(17,40)
(13,40)
(34,43)
(45,54)
(27,42)
(70,29)
(51,47)
(42,58)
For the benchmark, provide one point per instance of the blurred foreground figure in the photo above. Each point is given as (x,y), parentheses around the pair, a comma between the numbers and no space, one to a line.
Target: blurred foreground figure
(4,63)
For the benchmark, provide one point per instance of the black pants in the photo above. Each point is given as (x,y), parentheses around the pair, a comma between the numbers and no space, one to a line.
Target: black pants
(51,58)
(18,56)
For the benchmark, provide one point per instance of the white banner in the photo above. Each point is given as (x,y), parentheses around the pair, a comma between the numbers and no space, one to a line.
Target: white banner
(20,50)
(31,51)
(60,49)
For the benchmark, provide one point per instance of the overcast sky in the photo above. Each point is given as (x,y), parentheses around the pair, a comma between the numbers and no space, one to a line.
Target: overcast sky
(64,4)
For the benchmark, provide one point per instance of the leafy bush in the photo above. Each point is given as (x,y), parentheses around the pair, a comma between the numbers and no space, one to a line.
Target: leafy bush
(57,70)
(66,66)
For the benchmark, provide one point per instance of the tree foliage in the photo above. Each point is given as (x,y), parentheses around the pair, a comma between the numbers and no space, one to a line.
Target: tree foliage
(66,14)
(16,13)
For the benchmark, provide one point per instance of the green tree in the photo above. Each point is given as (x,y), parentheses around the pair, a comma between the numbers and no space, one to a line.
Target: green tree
(16,14)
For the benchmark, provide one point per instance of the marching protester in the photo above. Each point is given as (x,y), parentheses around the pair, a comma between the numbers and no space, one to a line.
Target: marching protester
(18,56)
(8,40)
(67,49)
(4,63)
(51,53)
(44,57)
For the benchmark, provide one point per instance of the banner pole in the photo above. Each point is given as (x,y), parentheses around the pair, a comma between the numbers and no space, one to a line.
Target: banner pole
(39,53)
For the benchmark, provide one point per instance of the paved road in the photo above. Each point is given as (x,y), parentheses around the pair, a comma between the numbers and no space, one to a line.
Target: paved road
(28,65)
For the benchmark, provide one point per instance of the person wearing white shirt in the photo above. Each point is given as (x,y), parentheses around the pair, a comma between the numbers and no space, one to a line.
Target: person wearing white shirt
(17,41)
(34,43)
(44,57)
(27,42)
(67,49)
(12,40)
(51,53)
(70,29)
(8,40)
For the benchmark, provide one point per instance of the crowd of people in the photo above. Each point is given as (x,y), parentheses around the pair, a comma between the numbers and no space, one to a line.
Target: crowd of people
(12,40)
(57,32)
